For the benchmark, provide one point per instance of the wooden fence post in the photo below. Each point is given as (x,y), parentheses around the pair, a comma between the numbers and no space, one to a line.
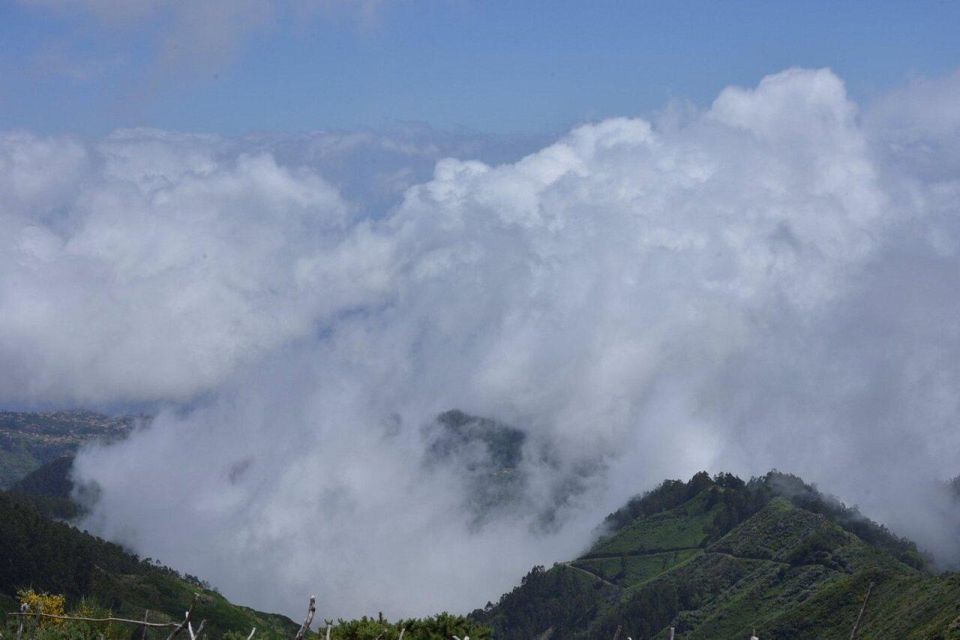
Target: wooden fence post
(856,625)
(311,609)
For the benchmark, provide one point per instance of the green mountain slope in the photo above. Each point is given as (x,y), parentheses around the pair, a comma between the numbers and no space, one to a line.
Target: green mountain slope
(39,553)
(717,558)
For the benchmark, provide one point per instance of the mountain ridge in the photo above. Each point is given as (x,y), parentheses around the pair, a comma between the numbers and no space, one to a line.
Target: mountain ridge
(718,557)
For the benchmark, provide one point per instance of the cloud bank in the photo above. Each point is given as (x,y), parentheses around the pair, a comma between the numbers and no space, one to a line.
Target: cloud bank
(768,282)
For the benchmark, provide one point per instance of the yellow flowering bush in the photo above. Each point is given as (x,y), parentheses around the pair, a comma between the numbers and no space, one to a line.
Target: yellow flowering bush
(43,603)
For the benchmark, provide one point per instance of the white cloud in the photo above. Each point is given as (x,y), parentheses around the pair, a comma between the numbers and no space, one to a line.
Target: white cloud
(765,284)
(156,275)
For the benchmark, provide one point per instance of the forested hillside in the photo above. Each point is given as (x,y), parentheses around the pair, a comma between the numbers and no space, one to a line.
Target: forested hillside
(38,553)
(717,558)
(49,489)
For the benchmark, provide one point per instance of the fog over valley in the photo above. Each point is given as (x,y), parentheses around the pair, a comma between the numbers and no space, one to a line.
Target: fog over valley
(397,367)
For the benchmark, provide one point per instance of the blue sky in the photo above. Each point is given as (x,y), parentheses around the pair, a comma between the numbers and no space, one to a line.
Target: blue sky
(90,66)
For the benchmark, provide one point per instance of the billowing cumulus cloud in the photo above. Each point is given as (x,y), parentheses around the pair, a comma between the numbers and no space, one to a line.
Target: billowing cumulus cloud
(150,265)
(152,276)
(770,282)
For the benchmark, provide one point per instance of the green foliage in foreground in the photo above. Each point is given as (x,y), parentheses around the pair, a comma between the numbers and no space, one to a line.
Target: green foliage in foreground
(52,629)
(439,627)
(716,558)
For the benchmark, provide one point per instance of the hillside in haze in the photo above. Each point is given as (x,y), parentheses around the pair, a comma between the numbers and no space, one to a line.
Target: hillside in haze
(713,557)
(29,440)
(47,556)
(718,558)
(37,552)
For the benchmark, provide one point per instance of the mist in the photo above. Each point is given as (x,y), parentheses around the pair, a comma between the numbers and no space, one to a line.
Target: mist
(768,282)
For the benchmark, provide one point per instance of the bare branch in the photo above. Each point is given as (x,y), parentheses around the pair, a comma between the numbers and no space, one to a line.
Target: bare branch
(186,618)
(311,610)
(402,631)
(196,634)
(252,631)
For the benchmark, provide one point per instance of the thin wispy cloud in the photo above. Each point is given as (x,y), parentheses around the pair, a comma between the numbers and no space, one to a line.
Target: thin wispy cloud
(185,42)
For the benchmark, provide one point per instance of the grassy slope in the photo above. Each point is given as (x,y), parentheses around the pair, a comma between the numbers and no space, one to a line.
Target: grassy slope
(635,569)
(678,528)
(785,571)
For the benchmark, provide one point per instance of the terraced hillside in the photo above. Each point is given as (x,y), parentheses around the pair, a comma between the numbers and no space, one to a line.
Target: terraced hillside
(718,558)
